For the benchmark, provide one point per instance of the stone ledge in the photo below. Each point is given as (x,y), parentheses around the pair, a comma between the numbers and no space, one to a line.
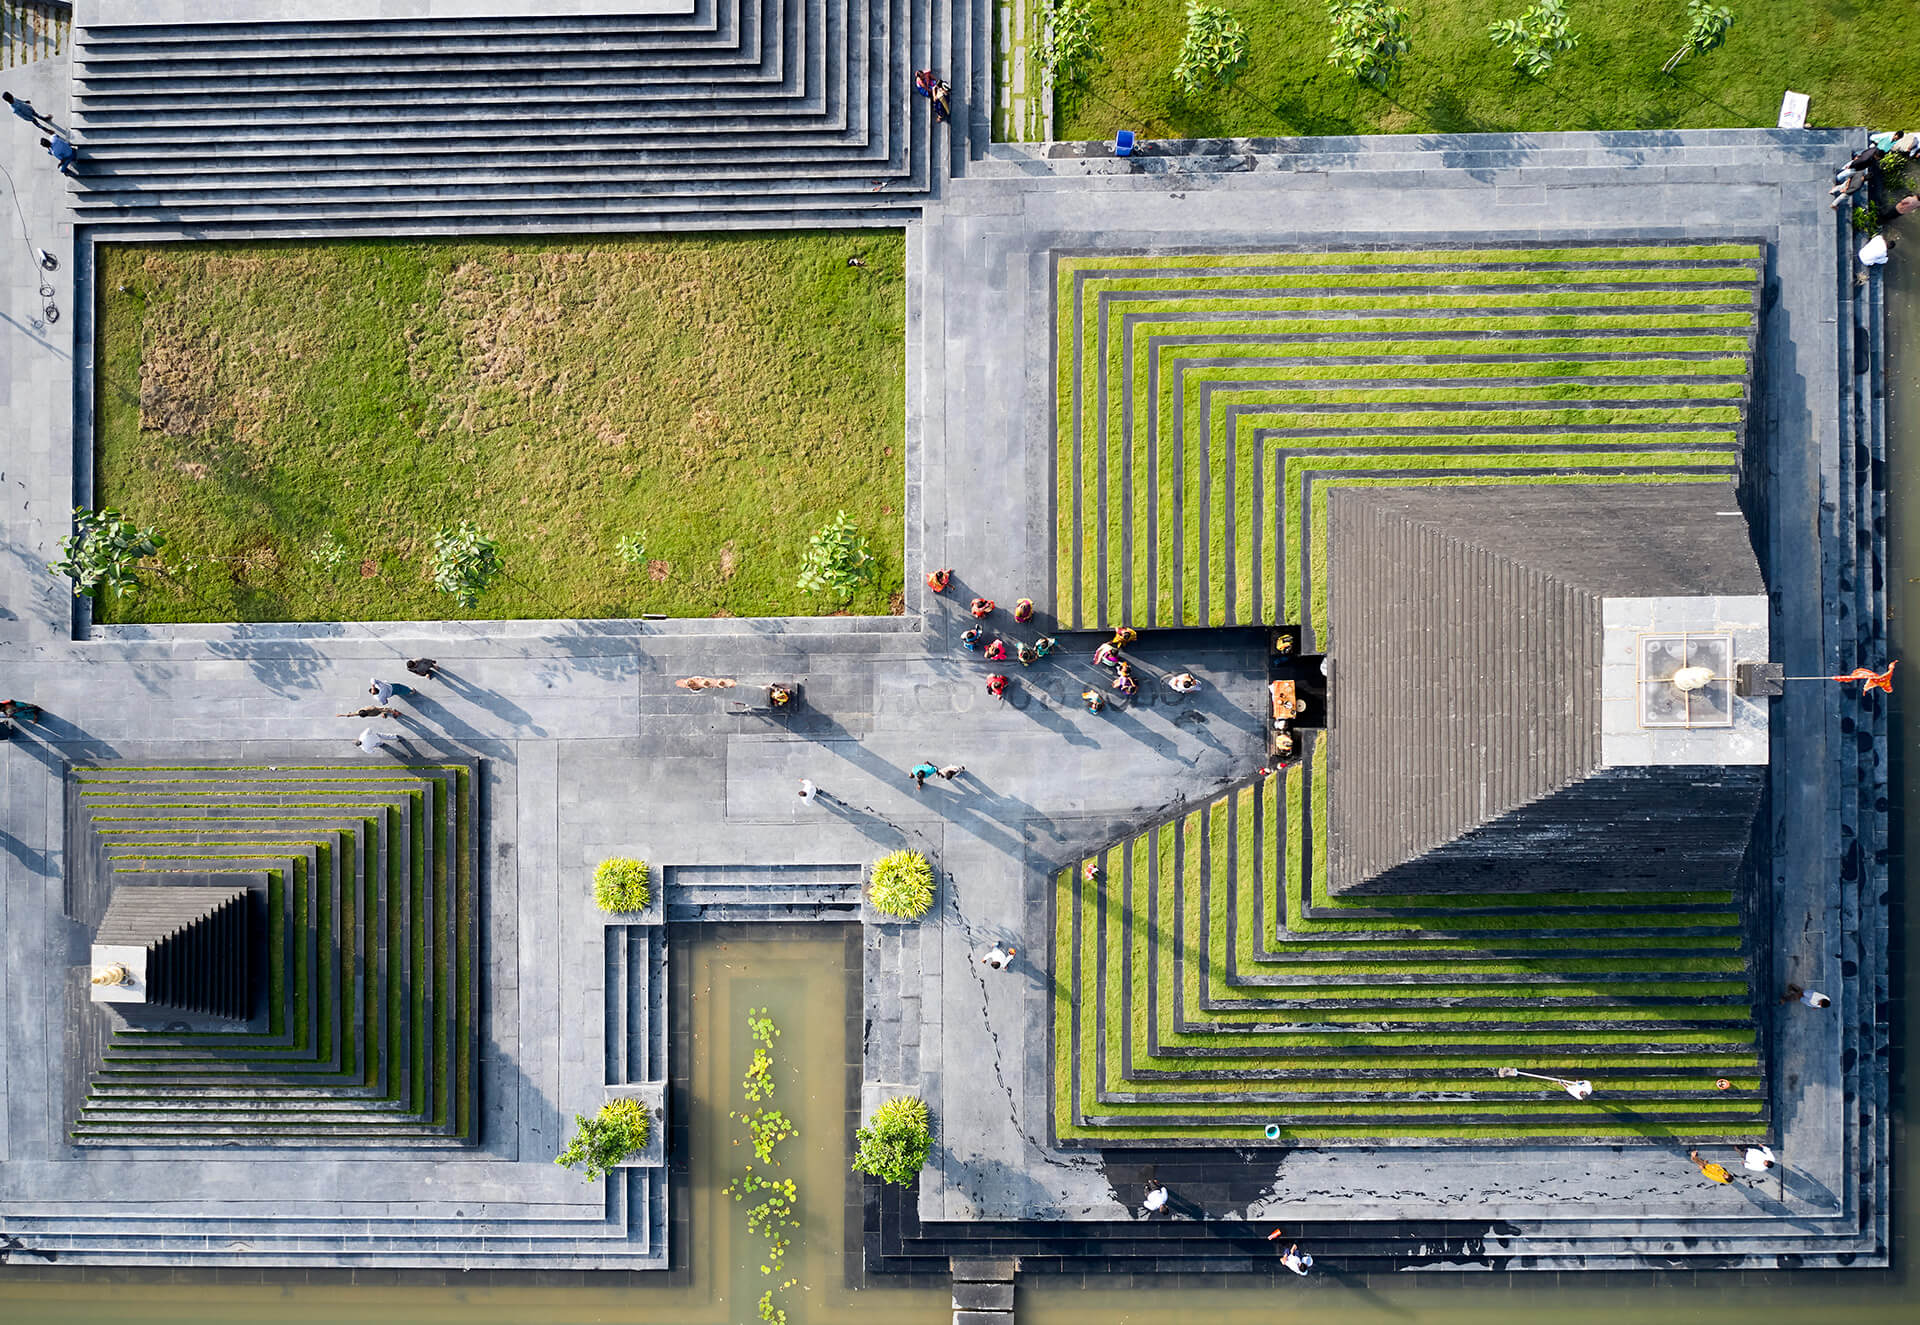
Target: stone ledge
(652,1094)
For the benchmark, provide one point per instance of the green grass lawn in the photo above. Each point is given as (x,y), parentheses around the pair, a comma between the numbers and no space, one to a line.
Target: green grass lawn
(1855,57)
(722,396)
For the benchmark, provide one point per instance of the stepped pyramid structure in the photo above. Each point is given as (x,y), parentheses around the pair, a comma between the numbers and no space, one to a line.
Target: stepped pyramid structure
(366,881)
(190,947)
(1447,466)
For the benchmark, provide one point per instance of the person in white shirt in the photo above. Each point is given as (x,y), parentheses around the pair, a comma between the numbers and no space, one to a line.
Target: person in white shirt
(1580,1090)
(807,791)
(999,957)
(1759,1158)
(1157,1196)
(1296,1260)
(372,742)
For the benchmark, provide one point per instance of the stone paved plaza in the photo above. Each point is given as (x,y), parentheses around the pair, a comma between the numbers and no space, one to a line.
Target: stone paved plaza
(580,746)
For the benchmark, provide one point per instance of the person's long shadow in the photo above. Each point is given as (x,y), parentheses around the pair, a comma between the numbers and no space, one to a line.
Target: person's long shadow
(871,824)
(965,812)
(37,861)
(54,742)
(431,709)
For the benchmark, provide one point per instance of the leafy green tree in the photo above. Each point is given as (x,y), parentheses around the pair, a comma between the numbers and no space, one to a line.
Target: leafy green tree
(1708,24)
(1213,53)
(838,560)
(104,551)
(621,1128)
(1536,37)
(465,563)
(1369,39)
(1070,41)
(895,1145)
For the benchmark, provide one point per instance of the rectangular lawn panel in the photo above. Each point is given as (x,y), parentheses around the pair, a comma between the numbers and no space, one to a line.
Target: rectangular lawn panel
(1454,80)
(719,396)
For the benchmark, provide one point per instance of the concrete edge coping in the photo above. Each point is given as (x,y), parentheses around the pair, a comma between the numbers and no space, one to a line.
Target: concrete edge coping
(547,629)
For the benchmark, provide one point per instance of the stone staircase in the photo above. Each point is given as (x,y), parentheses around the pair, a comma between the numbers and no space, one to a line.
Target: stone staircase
(763,892)
(743,113)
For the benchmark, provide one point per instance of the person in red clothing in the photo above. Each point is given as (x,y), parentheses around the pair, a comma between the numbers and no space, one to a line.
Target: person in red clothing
(997,686)
(997,650)
(981,607)
(939,580)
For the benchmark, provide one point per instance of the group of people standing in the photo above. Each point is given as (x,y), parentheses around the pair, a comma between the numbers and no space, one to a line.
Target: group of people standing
(384,693)
(1108,655)
(1863,181)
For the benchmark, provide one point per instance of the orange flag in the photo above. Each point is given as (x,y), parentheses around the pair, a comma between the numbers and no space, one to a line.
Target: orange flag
(1874,680)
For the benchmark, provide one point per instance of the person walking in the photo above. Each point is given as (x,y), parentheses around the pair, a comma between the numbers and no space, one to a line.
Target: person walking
(807,791)
(942,101)
(1124,636)
(64,153)
(372,742)
(373,711)
(1296,1260)
(1183,683)
(24,109)
(1106,656)
(1811,998)
(1758,1159)
(997,686)
(1708,1169)
(1023,610)
(384,691)
(952,771)
(1027,655)
(1157,1196)
(924,81)
(1093,699)
(981,607)
(20,709)
(938,580)
(424,668)
(1045,645)
(997,651)
(971,637)
(921,772)
(999,957)
(1123,680)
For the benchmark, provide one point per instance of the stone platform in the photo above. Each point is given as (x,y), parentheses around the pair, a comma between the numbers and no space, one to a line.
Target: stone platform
(587,749)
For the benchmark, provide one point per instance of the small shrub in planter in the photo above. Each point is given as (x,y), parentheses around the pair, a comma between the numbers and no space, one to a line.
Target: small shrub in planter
(621,1128)
(894,1146)
(902,885)
(620,884)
